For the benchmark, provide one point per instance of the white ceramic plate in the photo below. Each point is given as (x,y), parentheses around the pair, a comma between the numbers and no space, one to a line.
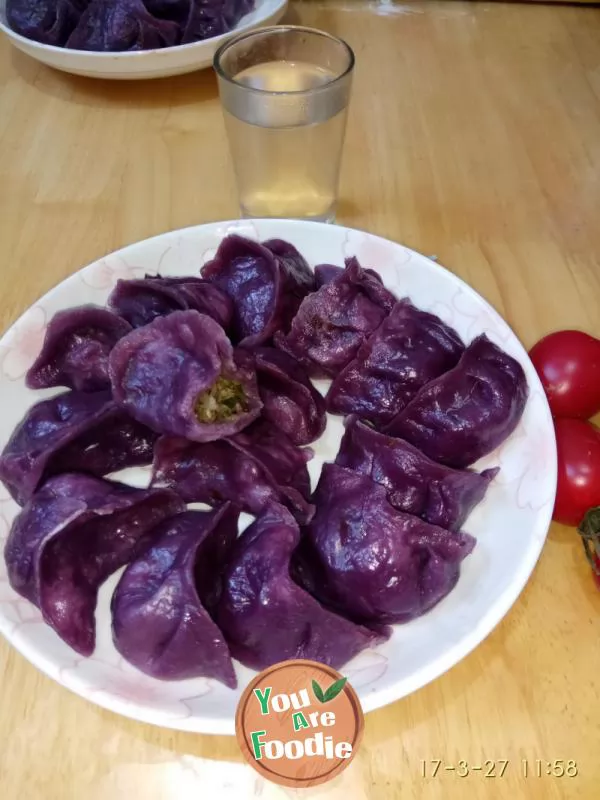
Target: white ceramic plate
(510,525)
(145,63)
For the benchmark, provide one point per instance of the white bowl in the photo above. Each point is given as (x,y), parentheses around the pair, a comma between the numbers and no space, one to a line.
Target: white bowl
(146,63)
(510,525)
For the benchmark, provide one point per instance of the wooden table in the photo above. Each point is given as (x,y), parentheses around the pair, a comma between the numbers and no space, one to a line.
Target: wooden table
(475,135)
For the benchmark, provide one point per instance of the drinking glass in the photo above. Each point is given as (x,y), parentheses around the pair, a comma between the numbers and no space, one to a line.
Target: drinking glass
(285,92)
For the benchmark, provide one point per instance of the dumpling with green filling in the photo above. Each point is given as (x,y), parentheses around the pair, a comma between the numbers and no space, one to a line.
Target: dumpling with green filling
(178,375)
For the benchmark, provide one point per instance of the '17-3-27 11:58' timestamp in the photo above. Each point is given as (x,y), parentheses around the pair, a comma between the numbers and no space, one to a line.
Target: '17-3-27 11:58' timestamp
(499,767)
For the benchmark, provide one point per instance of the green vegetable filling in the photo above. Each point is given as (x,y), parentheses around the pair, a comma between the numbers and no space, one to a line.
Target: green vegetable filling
(224,399)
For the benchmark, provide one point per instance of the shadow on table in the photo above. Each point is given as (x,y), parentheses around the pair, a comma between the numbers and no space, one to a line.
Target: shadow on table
(180,90)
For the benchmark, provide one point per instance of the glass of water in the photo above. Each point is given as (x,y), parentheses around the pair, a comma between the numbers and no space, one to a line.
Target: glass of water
(285,93)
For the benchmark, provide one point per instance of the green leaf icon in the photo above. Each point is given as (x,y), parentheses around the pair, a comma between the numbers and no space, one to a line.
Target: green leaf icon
(335,689)
(318,692)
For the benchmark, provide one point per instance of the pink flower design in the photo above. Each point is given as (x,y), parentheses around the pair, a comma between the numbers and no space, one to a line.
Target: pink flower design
(112,677)
(105,273)
(240,228)
(207,255)
(483,320)
(374,252)
(135,689)
(161,261)
(443,311)
(7,593)
(4,528)
(525,458)
(23,343)
(370,667)
(183,256)
(194,702)
(4,495)
(243,228)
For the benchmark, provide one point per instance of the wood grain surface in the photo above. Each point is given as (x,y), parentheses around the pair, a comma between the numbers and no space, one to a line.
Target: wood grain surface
(474,135)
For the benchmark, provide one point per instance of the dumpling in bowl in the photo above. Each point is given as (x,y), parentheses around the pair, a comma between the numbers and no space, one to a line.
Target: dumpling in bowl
(466,412)
(72,432)
(178,376)
(266,282)
(409,349)
(46,21)
(415,484)
(370,562)
(73,533)
(208,18)
(266,617)
(121,25)
(333,322)
(76,348)
(258,466)
(290,401)
(160,608)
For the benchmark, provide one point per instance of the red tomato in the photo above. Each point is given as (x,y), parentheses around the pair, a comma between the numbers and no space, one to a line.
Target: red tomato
(578,444)
(568,363)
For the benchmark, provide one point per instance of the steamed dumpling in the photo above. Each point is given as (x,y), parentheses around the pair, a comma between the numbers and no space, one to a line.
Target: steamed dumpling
(76,349)
(257,466)
(414,483)
(72,432)
(266,282)
(141,301)
(409,349)
(290,402)
(266,617)
(160,608)
(333,322)
(178,376)
(466,412)
(73,533)
(371,562)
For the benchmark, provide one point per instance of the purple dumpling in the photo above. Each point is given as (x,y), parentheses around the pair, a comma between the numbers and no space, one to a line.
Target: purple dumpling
(178,376)
(204,20)
(160,618)
(258,466)
(76,348)
(141,301)
(208,18)
(466,412)
(175,10)
(266,617)
(416,485)
(72,432)
(46,21)
(409,349)
(290,401)
(266,282)
(325,273)
(333,322)
(121,25)
(73,533)
(371,562)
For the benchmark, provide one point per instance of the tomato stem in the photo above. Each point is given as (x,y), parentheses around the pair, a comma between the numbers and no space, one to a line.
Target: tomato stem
(589,530)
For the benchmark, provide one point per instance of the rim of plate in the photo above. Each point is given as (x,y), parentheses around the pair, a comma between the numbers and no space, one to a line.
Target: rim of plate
(377,698)
(95,55)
